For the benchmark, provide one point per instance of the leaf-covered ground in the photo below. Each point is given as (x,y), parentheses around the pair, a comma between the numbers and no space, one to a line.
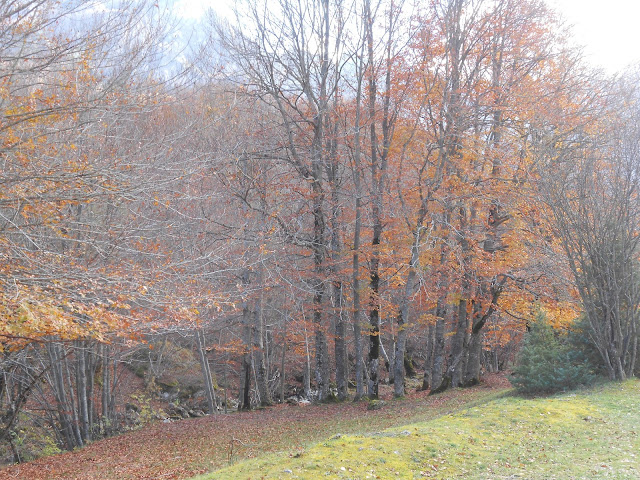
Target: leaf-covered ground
(186,448)
(587,435)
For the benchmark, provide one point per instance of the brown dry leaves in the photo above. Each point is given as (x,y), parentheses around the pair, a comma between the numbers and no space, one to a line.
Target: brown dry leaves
(180,450)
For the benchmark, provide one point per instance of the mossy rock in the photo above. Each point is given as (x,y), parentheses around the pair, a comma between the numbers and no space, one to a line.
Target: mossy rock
(376,404)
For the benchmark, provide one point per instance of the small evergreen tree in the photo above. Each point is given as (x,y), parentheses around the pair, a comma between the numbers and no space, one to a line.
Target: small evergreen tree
(547,363)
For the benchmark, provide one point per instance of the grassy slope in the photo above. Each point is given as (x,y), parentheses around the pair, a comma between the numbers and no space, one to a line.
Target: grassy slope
(585,435)
(180,450)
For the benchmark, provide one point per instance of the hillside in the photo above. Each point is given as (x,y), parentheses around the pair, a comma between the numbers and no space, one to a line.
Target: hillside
(309,199)
(181,449)
(586,435)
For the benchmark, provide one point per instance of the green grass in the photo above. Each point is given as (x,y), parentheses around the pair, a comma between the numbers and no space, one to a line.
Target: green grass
(590,434)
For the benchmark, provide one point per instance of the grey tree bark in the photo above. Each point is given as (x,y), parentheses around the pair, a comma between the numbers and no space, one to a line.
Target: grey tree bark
(438,355)
(428,358)
(206,371)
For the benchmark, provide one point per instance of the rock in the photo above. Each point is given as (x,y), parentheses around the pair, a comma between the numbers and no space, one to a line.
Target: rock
(199,395)
(132,417)
(295,400)
(176,411)
(376,404)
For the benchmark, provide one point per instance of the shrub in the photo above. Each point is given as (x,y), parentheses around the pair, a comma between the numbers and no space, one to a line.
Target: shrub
(27,441)
(547,362)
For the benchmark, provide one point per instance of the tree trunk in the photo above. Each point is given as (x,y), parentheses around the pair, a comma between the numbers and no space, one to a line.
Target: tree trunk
(60,394)
(376,218)
(206,371)
(81,387)
(106,382)
(306,377)
(475,343)
(73,403)
(428,358)
(472,369)
(472,373)
(92,364)
(262,376)
(355,280)
(438,355)
(458,344)
(322,353)
(403,317)
(282,367)
(342,381)
(245,403)
(402,321)
(245,379)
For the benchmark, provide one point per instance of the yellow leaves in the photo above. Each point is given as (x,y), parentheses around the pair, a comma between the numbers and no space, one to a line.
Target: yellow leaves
(32,313)
(454,297)
(427,319)
(561,314)
(28,318)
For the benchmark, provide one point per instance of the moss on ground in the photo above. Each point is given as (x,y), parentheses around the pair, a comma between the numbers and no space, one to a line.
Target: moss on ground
(585,435)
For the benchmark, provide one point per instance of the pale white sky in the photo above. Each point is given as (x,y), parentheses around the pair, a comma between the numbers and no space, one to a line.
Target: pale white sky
(195,9)
(609,29)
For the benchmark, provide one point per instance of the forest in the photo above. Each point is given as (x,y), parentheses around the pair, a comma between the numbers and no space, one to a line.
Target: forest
(304,202)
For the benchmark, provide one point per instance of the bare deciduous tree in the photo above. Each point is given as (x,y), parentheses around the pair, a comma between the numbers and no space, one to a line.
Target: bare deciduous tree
(592,185)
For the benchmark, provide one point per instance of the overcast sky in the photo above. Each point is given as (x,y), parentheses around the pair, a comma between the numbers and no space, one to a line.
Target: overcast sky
(609,29)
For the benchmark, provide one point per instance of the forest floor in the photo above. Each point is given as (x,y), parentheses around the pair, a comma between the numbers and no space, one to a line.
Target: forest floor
(182,449)
(588,434)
